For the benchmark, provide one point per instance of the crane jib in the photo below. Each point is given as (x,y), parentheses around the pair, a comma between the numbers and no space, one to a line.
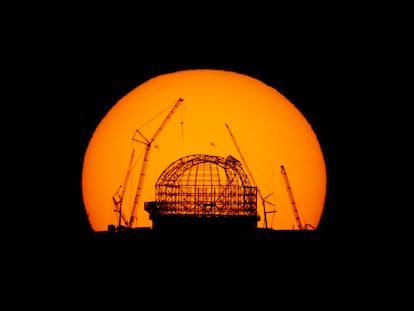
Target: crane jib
(133,216)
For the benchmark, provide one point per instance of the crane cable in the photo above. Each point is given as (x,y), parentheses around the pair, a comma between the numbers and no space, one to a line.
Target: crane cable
(156,116)
(182,121)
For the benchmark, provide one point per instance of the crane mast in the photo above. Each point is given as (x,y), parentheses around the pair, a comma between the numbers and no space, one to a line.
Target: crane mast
(118,197)
(148,144)
(292,200)
(249,173)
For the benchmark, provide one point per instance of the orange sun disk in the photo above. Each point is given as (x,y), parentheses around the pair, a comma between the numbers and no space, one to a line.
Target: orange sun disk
(269,130)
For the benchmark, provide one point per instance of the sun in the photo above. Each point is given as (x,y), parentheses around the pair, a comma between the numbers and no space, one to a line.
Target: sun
(205,111)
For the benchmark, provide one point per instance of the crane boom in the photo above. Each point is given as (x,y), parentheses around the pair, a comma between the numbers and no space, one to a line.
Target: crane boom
(249,173)
(148,144)
(292,200)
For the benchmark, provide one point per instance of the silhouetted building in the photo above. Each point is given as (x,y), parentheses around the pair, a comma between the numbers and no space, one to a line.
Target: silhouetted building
(202,191)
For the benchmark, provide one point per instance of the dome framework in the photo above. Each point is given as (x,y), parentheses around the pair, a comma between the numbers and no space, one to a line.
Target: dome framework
(201,186)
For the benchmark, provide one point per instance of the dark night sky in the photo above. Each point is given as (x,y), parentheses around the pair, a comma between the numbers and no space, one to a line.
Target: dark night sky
(81,64)
(88,67)
(71,64)
(308,73)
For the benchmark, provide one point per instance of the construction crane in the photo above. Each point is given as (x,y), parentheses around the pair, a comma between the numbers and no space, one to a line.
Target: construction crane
(118,197)
(148,144)
(292,201)
(251,176)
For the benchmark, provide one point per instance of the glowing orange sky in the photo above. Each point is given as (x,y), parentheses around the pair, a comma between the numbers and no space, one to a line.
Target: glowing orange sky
(268,128)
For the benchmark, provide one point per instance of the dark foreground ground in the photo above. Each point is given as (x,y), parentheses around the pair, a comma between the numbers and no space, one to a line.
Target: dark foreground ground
(166,245)
(197,269)
(207,247)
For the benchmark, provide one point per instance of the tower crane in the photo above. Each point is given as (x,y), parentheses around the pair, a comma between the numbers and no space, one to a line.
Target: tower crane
(148,144)
(290,194)
(292,201)
(250,175)
(118,197)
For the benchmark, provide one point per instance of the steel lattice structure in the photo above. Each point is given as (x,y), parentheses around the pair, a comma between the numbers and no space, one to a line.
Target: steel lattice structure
(203,185)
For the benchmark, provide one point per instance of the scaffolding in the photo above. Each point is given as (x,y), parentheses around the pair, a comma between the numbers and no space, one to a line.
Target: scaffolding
(204,186)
